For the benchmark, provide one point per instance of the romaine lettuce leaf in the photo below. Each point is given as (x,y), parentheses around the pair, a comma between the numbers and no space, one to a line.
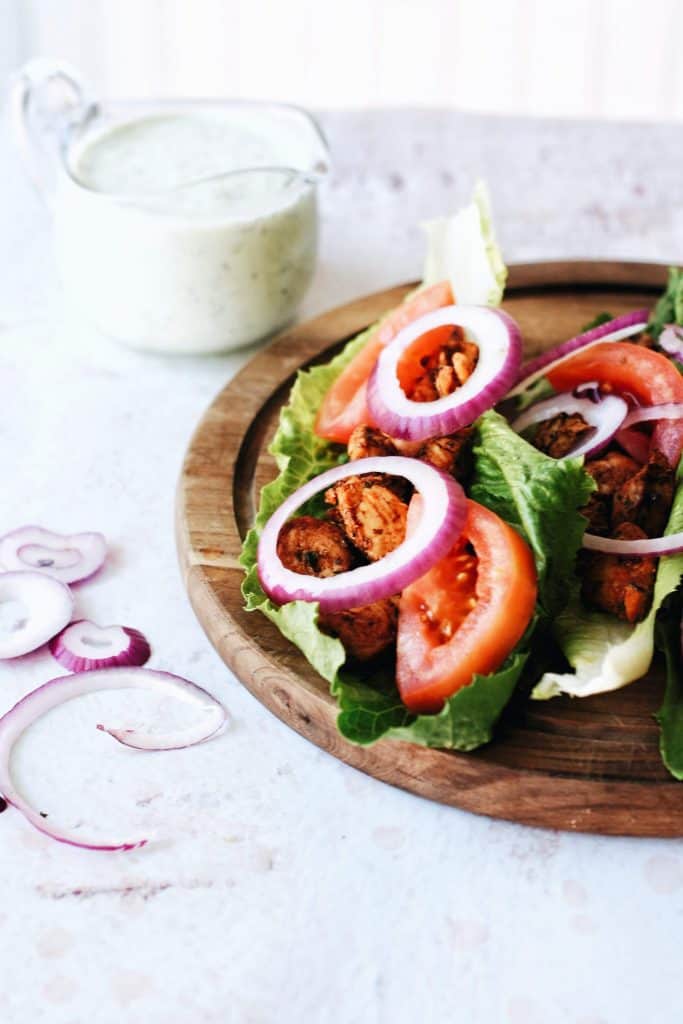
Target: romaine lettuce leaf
(668,629)
(605,653)
(537,495)
(669,308)
(464,250)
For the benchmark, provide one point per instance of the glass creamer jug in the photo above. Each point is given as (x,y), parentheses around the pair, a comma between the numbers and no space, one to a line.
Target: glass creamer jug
(180,226)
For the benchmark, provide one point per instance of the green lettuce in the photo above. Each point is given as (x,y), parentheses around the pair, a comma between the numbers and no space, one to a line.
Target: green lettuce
(668,637)
(605,653)
(463,249)
(669,308)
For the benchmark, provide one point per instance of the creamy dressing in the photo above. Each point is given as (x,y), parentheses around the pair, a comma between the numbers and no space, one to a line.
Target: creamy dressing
(191,231)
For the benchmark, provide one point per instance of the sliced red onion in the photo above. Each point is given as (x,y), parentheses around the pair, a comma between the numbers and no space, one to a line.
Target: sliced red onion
(66,557)
(666,411)
(653,546)
(33,608)
(84,646)
(436,533)
(500,351)
(65,688)
(605,416)
(671,340)
(614,330)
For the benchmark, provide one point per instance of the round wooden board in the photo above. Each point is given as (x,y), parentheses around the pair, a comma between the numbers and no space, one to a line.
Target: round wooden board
(587,765)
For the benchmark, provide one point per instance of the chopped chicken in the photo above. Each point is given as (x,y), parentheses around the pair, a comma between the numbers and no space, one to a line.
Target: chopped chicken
(451,454)
(609,472)
(365,632)
(314,547)
(558,435)
(646,498)
(445,370)
(318,547)
(620,585)
(371,509)
(368,442)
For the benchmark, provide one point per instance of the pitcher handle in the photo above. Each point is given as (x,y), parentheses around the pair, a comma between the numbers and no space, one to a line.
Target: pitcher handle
(46,98)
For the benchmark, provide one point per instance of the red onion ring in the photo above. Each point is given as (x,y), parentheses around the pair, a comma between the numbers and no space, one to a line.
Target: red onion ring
(671,544)
(606,417)
(500,352)
(57,691)
(435,535)
(666,411)
(77,646)
(614,330)
(66,557)
(35,608)
(671,340)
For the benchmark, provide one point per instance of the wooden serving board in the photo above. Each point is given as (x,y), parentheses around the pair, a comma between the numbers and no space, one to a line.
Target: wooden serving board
(588,765)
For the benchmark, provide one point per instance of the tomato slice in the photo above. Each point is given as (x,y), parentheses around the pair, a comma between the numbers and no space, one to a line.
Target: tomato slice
(344,406)
(467,613)
(627,368)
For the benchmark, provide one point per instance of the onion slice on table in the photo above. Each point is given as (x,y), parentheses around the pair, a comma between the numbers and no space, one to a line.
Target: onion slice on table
(671,340)
(66,557)
(606,416)
(614,330)
(84,646)
(65,688)
(500,351)
(33,608)
(437,531)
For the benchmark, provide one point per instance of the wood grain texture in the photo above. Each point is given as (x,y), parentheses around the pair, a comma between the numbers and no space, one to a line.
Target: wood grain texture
(587,765)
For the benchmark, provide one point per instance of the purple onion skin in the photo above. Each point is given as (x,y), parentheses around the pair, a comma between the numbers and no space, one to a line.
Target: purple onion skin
(137,654)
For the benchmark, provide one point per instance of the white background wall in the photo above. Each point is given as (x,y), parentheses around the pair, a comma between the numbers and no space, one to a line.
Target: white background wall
(596,58)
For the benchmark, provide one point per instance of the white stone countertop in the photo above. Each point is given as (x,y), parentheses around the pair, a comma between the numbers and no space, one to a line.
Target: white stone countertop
(284,886)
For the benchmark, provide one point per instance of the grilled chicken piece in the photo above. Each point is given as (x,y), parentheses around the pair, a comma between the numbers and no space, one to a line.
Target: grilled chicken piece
(557,436)
(318,547)
(365,632)
(446,369)
(609,472)
(619,585)
(367,442)
(451,454)
(646,498)
(314,547)
(371,510)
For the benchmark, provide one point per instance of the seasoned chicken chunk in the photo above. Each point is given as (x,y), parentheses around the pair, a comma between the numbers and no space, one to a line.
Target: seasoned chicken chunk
(315,547)
(609,471)
(318,547)
(445,369)
(620,585)
(558,435)
(365,632)
(451,454)
(368,442)
(371,510)
(646,497)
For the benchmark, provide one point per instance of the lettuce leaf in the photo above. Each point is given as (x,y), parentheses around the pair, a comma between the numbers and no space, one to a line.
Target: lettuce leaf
(668,630)
(605,653)
(540,497)
(464,250)
(669,308)
(369,710)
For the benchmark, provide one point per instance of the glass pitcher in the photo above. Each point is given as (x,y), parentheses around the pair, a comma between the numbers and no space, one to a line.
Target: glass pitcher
(180,226)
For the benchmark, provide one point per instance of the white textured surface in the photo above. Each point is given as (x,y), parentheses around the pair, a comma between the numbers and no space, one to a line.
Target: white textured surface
(285,886)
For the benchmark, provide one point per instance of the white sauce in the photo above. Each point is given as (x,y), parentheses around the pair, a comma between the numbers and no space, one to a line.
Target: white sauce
(170,240)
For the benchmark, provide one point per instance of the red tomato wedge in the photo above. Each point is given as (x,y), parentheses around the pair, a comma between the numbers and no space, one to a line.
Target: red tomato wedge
(649,376)
(344,405)
(467,613)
